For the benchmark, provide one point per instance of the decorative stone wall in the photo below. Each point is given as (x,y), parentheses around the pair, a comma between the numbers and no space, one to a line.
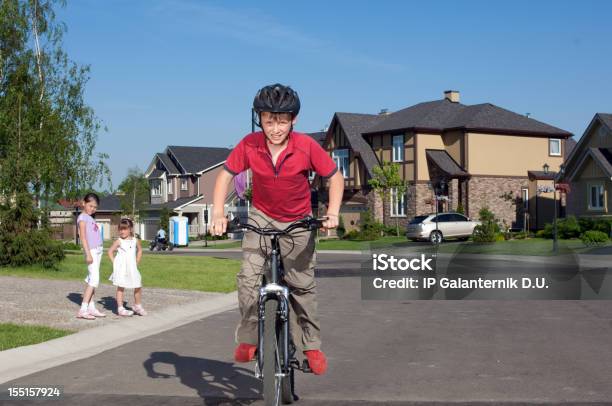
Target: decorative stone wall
(424,203)
(453,194)
(375,204)
(488,192)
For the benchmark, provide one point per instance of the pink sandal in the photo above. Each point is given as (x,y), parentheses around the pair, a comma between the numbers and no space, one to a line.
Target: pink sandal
(139,310)
(96,313)
(84,314)
(125,312)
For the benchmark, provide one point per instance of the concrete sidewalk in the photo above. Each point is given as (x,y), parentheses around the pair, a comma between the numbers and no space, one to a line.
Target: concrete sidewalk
(54,303)
(22,361)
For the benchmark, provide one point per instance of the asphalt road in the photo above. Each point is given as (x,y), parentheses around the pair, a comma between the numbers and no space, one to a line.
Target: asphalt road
(380,352)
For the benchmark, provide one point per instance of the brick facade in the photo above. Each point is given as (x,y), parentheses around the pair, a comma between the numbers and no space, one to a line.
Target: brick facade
(476,193)
(485,191)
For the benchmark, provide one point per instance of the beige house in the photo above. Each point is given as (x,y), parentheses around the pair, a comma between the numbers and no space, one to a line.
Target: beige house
(588,170)
(484,154)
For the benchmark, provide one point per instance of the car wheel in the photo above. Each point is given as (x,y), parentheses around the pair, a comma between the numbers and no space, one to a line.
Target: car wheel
(435,237)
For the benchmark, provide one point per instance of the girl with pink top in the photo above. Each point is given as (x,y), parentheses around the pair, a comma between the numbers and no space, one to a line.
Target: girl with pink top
(91,240)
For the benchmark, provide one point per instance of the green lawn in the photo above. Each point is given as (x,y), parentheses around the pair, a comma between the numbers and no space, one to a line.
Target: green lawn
(532,246)
(13,335)
(359,245)
(218,245)
(164,271)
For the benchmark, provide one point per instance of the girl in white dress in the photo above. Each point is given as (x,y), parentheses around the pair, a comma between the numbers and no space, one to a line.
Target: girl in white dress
(125,267)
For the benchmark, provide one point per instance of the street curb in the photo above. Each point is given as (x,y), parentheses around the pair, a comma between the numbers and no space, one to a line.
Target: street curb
(217,251)
(21,361)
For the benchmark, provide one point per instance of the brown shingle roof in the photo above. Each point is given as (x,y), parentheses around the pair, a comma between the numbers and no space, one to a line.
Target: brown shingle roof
(441,115)
(319,137)
(606,119)
(354,125)
(446,163)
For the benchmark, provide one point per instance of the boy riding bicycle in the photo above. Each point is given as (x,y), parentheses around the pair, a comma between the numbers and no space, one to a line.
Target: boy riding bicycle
(280,160)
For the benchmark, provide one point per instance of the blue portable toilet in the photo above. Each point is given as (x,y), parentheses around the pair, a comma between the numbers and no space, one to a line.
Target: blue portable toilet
(179,230)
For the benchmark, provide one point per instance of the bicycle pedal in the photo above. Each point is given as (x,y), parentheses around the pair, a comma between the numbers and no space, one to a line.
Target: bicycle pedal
(306,367)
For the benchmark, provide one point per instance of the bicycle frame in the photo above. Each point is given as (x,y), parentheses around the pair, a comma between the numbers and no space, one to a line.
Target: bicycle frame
(273,290)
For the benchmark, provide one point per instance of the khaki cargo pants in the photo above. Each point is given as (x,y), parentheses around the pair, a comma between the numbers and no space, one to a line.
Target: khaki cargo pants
(298,258)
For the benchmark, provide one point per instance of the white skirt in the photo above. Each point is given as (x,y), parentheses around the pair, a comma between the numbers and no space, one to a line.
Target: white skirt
(125,273)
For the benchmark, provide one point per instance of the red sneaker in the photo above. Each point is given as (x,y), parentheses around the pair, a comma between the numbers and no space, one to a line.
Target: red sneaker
(317,361)
(245,352)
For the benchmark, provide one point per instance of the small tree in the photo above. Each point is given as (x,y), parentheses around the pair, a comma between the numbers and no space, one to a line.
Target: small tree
(164,219)
(489,227)
(386,177)
(47,132)
(135,188)
(460,209)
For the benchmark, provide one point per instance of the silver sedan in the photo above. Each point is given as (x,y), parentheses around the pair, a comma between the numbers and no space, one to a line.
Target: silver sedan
(446,225)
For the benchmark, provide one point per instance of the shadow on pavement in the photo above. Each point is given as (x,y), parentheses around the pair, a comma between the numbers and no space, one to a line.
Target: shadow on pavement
(75,298)
(605,250)
(215,381)
(107,302)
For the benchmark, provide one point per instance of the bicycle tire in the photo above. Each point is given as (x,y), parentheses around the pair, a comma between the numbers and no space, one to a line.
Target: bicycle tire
(287,388)
(271,382)
(287,382)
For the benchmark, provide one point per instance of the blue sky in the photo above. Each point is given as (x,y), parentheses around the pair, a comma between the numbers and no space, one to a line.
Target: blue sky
(184,72)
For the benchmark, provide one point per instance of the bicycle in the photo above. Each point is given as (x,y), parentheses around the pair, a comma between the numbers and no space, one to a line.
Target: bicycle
(275,356)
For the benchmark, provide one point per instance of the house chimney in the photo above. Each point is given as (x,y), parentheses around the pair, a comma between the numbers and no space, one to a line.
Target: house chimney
(383,112)
(452,95)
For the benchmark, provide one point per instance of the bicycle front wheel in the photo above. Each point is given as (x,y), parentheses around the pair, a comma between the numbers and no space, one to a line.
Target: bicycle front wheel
(271,357)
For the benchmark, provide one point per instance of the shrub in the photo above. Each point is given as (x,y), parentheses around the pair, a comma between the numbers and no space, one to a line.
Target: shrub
(521,235)
(390,230)
(340,230)
(69,245)
(594,237)
(488,230)
(369,229)
(542,234)
(500,237)
(21,242)
(460,209)
(568,228)
(31,247)
(351,235)
(587,223)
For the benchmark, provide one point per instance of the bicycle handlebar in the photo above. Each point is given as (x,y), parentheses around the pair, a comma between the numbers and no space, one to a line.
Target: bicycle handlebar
(308,223)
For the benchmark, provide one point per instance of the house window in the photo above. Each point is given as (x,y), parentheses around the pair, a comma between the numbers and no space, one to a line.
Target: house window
(525,197)
(554,147)
(169,186)
(596,197)
(398,148)
(156,188)
(397,203)
(341,157)
(183,184)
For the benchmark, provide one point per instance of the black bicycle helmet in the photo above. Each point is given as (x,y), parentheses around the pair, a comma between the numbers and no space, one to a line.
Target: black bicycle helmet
(277,99)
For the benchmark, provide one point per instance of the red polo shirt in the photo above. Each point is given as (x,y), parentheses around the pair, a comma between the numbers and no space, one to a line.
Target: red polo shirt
(281,191)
